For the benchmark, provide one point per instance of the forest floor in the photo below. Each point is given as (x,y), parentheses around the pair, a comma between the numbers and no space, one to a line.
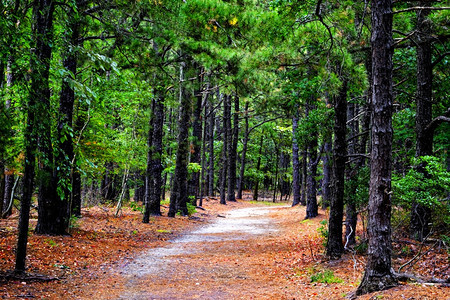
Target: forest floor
(243,250)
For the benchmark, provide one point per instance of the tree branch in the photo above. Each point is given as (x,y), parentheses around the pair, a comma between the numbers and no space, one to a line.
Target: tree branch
(431,127)
(419,8)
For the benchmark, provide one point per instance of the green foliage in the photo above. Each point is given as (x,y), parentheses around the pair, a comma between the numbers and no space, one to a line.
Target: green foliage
(323,231)
(429,188)
(136,207)
(326,276)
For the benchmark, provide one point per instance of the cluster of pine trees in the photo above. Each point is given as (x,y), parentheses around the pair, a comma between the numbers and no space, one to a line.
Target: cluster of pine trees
(104,100)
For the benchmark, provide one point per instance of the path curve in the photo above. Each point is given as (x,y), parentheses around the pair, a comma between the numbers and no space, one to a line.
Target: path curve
(160,273)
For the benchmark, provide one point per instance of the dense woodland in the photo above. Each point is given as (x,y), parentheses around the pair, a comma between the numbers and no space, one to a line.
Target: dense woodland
(339,104)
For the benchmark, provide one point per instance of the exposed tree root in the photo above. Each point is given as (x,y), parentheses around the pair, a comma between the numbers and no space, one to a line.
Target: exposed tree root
(24,276)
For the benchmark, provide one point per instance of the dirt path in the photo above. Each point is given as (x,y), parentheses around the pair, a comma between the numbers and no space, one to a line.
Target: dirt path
(188,268)
(257,252)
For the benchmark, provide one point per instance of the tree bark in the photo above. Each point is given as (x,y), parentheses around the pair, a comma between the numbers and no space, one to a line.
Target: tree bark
(233,139)
(154,164)
(296,174)
(179,193)
(211,126)
(244,154)
(258,167)
(39,95)
(196,143)
(226,147)
(311,183)
(421,214)
(335,248)
(378,273)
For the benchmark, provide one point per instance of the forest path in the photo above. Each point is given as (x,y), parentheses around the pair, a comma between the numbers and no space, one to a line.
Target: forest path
(207,263)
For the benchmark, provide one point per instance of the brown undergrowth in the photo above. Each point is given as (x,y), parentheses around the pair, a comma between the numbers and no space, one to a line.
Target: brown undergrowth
(288,264)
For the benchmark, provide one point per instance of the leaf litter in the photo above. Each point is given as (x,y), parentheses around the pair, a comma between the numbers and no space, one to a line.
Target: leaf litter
(255,252)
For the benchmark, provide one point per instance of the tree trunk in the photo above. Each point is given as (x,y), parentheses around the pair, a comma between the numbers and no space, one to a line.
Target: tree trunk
(304,175)
(378,274)
(327,173)
(335,247)
(154,164)
(244,154)
(226,147)
(232,147)
(258,167)
(39,94)
(351,174)
(296,174)
(421,214)
(311,183)
(196,143)
(179,193)
(52,211)
(211,150)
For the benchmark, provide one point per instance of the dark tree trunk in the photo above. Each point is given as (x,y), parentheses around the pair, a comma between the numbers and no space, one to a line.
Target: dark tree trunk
(232,147)
(351,174)
(226,147)
(179,193)
(296,174)
(304,170)
(285,163)
(203,181)
(39,95)
(244,154)
(327,173)
(378,274)
(196,144)
(53,215)
(211,151)
(311,183)
(421,214)
(154,164)
(258,167)
(335,247)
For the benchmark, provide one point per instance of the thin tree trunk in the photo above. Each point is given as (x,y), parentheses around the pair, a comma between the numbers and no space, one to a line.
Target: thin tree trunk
(211,151)
(179,193)
(244,154)
(296,174)
(311,183)
(304,175)
(335,247)
(258,167)
(378,274)
(421,214)
(226,147)
(233,139)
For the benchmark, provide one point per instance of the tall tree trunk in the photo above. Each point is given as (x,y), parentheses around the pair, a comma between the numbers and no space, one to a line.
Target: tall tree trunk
(351,173)
(39,94)
(50,218)
(421,214)
(196,143)
(311,183)
(244,154)
(327,173)
(335,247)
(258,167)
(378,272)
(304,170)
(296,174)
(233,139)
(226,147)
(211,126)
(155,168)
(179,193)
